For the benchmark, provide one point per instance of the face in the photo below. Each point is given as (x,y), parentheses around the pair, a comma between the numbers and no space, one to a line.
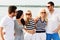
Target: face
(49,7)
(14,13)
(43,13)
(28,16)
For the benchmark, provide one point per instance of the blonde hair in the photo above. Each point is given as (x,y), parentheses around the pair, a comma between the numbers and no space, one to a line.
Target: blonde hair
(43,9)
(28,11)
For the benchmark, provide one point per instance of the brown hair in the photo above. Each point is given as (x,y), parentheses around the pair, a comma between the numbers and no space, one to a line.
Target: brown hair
(11,9)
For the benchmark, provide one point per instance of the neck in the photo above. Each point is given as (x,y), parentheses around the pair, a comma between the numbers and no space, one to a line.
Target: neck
(10,16)
(18,20)
(42,18)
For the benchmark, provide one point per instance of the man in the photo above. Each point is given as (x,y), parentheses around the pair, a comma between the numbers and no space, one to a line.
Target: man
(7,24)
(53,25)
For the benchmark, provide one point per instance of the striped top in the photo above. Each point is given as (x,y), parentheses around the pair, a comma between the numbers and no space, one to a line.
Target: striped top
(40,25)
(30,25)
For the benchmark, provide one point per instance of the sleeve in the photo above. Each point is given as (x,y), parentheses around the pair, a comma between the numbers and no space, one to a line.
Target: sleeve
(3,23)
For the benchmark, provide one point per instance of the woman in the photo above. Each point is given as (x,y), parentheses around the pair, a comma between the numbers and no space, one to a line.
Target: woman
(19,25)
(30,26)
(41,23)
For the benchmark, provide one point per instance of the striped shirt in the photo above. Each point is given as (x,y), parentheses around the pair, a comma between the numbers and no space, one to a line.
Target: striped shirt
(40,25)
(30,25)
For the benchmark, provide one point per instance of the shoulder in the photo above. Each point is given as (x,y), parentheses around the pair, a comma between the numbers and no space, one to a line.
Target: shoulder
(3,22)
(4,19)
(36,19)
(15,21)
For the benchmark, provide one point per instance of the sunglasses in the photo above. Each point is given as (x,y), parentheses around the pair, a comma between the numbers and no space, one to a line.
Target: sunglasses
(43,12)
(28,13)
(48,6)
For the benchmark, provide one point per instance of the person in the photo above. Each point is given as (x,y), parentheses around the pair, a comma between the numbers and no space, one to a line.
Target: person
(30,26)
(7,24)
(19,25)
(41,22)
(53,25)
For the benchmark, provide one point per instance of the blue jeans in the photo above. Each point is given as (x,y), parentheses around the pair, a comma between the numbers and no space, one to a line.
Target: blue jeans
(53,36)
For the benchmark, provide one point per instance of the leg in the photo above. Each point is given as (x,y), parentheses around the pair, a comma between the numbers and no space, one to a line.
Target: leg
(55,36)
(38,36)
(43,36)
(48,36)
(27,36)
(34,36)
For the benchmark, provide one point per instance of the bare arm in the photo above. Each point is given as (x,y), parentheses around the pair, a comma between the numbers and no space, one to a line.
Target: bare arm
(1,33)
(36,19)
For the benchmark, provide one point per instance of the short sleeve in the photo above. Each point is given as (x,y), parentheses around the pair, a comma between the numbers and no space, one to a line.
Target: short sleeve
(3,22)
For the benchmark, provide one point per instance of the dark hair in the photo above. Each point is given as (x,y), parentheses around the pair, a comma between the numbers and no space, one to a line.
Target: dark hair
(23,21)
(51,3)
(19,14)
(12,9)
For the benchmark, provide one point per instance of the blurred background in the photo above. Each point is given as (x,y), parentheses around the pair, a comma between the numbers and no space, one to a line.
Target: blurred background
(33,5)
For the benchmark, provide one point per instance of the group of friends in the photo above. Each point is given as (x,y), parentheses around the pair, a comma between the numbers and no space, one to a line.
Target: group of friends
(25,27)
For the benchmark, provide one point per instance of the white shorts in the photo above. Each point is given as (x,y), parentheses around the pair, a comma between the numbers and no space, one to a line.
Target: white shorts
(8,37)
(40,36)
(28,36)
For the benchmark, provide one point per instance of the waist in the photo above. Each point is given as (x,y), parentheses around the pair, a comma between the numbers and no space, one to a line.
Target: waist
(29,28)
(40,31)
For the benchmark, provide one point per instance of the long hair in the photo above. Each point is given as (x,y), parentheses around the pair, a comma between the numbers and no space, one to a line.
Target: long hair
(30,14)
(19,14)
(45,14)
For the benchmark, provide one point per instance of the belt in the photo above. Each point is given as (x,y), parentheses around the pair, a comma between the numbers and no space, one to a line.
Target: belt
(40,31)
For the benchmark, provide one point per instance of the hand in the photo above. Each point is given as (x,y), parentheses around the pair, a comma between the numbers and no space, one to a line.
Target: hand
(2,38)
(56,30)
(31,31)
(34,30)
(4,33)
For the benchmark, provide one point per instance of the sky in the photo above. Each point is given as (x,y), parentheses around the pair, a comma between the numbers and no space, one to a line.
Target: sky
(27,2)
(4,10)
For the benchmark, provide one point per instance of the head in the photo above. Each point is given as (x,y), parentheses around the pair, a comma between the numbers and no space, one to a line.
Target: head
(50,5)
(28,14)
(12,10)
(43,13)
(20,16)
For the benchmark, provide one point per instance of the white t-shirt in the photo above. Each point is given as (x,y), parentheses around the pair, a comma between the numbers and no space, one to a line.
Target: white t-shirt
(53,22)
(8,27)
